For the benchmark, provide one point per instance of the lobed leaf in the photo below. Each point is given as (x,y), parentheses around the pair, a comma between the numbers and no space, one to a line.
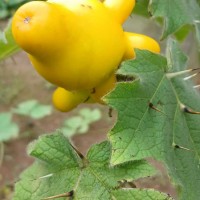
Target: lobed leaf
(176,14)
(151,119)
(59,169)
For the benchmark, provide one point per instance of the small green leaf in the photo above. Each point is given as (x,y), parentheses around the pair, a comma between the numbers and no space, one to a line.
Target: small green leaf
(41,111)
(58,169)
(7,43)
(74,122)
(80,124)
(33,109)
(71,126)
(89,115)
(8,129)
(25,108)
(84,128)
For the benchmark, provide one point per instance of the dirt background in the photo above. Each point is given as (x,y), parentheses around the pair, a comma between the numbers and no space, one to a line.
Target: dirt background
(20,82)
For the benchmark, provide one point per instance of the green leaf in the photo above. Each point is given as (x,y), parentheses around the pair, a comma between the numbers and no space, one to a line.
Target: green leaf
(59,169)
(151,119)
(71,126)
(13,3)
(7,7)
(33,109)
(141,8)
(176,14)
(7,43)
(89,115)
(8,129)
(80,124)
(138,194)
(183,32)
(3,10)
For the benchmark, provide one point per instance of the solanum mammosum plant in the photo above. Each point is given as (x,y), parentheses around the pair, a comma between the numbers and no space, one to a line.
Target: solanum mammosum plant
(81,47)
(89,48)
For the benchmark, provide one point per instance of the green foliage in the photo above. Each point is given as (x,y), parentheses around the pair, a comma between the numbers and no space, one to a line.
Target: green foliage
(138,194)
(59,169)
(8,129)
(33,109)
(80,124)
(7,7)
(152,121)
(176,14)
(179,15)
(141,8)
(7,43)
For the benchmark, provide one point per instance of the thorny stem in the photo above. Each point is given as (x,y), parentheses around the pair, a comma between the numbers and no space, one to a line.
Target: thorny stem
(68,194)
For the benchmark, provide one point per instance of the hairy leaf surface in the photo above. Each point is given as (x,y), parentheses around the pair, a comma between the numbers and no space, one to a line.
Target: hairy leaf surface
(152,118)
(60,169)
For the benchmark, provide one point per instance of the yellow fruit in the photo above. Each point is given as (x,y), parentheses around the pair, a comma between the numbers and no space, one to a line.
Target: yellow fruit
(78,45)
(75,44)
(120,9)
(139,41)
(65,100)
(104,89)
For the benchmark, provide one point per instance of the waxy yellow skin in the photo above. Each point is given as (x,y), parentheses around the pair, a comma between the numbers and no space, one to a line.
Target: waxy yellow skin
(104,89)
(78,44)
(65,100)
(74,44)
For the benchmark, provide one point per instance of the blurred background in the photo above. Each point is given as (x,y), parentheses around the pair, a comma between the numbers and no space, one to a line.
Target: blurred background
(26,110)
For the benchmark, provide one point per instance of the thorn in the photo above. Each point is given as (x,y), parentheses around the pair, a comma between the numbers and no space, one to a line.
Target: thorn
(125,184)
(188,110)
(78,152)
(68,194)
(132,185)
(174,74)
(192,76)
(196,86)
(180,147)
(154,108)
(197,21)
(46,176)
(110,112)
